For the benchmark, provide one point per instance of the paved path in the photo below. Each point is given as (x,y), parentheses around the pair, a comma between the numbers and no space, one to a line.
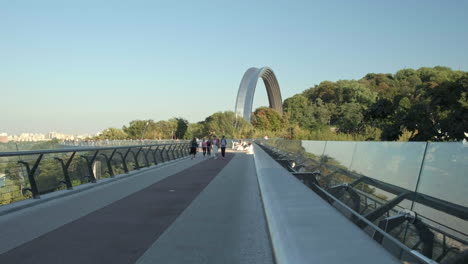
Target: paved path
(224,224)
(122,231)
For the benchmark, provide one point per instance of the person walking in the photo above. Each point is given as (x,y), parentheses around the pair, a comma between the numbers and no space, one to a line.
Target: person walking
(209,145)
(223,144)
(193,147)
(204,146)
(215,147)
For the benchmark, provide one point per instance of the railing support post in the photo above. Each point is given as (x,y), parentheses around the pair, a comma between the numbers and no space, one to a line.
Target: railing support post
(167,153)
(32,181)
(109,162)
(124,160)
(65,167)
(154,155)
(161,154)
(135,158)
(89,163)
(146,156)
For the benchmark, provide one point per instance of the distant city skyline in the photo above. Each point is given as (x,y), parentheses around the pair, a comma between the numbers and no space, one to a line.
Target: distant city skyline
(78,70)
(34,137)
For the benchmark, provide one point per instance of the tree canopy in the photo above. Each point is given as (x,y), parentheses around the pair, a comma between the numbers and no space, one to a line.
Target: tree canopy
(412,104)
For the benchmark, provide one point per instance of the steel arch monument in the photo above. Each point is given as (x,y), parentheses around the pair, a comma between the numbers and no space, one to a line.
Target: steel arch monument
(246,91)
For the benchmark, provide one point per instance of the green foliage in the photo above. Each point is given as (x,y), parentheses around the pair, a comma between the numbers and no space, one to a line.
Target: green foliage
(164,129)
(113,134)
(51,144)
(181,130)
(300,111)
(197,130)
(423,104)
(136,128)
(226,123)
(265,118)
(350,118)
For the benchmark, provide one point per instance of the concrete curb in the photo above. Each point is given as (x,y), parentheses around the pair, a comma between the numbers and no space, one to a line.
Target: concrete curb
(305,229)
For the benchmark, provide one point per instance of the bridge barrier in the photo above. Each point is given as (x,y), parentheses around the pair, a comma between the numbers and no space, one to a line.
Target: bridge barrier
(30,174)
(304,228)
(412,190)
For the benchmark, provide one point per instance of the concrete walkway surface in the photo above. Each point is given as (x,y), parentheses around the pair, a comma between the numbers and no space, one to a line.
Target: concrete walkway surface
(190,212)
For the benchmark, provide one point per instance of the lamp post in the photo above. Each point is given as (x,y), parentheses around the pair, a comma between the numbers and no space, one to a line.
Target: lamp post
(144,130)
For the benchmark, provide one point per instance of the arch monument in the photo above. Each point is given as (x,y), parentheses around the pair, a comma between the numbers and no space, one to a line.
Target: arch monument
(246,91)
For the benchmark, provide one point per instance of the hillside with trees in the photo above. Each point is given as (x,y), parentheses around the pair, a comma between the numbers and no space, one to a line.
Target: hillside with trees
(427,104)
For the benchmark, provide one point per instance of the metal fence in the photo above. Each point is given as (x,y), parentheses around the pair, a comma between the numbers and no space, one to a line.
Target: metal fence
(29,174)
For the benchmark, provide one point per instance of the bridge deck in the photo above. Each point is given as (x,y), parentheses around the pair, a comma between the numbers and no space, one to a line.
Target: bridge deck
(190,211)
(211,221)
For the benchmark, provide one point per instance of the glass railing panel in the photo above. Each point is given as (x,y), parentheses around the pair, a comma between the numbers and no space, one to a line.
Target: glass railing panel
(339,153)
(313,152)
(444,177)
(396,163)
(335,162)
(385,171)
(444,173)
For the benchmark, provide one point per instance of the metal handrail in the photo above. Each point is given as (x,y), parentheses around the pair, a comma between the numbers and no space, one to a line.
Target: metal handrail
(356,217)
(376,228)
(31,171)
(80,149)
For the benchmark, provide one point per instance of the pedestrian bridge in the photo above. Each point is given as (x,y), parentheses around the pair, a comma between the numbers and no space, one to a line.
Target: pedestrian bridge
(158,206)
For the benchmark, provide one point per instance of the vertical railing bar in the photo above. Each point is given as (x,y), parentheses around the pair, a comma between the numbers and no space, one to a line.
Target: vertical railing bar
(419,176)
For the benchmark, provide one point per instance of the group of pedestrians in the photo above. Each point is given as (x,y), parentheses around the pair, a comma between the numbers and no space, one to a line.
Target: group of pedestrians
(209,147)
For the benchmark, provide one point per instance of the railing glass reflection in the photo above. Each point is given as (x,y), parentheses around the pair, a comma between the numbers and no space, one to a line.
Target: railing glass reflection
(415,191)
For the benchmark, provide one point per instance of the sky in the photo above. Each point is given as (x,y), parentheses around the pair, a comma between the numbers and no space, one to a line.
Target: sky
(83,66)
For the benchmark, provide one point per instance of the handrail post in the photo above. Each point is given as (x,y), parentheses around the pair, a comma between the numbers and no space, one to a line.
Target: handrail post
(32,181)
(154,155)
(167,153)
(161,154)
(135,158)
(174,152)
(65,167)
(181,155)
(109,162)
(90,163)
(146,156)
(124,163)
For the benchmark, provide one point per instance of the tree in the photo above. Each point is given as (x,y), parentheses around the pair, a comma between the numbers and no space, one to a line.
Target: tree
(226,123)
(351,116)
(266,118)
(136,128)
(325,90)
(164,129)
(113,134)
(182,126)
(197,130)
(300,111)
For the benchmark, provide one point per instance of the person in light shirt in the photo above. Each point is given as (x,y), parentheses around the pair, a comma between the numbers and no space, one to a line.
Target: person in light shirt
(215,145)
(204,145)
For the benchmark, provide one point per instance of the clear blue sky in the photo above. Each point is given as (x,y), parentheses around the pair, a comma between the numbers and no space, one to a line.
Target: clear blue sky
(84,66)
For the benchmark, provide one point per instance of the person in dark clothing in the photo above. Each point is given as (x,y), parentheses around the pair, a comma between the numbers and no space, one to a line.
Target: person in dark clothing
(193,147)
(223,144)
(208,146)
